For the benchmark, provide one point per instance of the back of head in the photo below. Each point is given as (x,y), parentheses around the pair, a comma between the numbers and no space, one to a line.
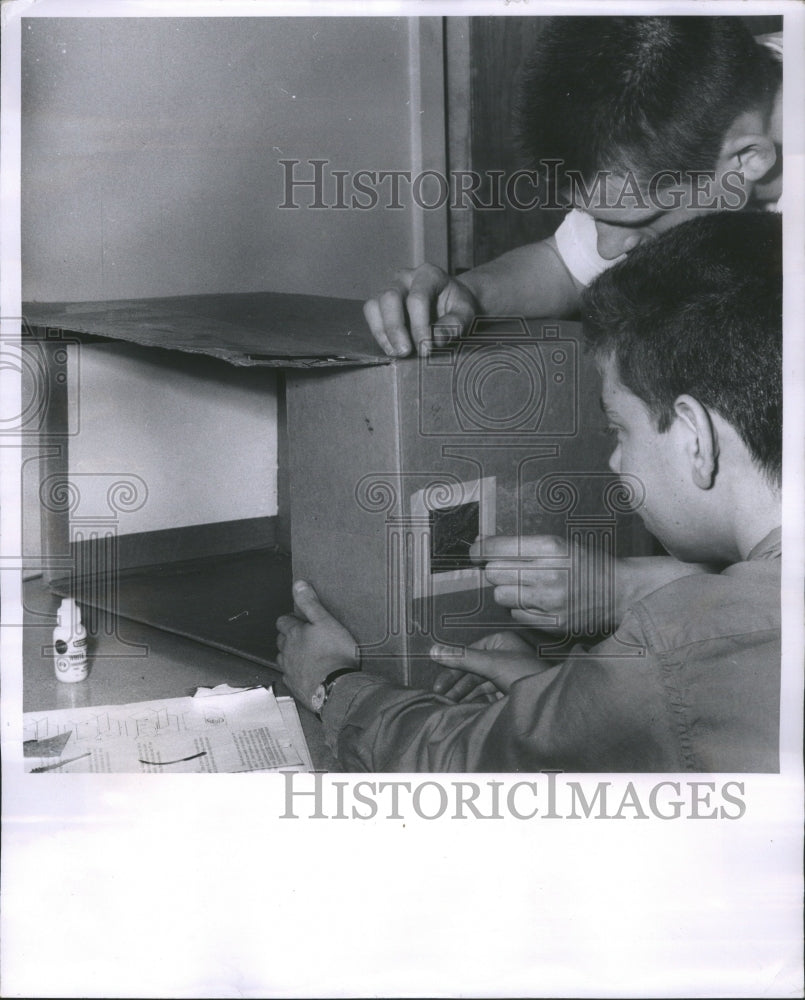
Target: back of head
(639,94)
(698,311)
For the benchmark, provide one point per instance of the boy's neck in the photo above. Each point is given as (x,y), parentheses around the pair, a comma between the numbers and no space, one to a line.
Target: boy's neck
(755,518)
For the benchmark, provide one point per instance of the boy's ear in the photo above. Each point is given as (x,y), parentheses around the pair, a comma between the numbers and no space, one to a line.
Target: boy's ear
(701,440)
(752,153)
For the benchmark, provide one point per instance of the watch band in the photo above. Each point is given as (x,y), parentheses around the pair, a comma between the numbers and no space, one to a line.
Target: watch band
(325,688)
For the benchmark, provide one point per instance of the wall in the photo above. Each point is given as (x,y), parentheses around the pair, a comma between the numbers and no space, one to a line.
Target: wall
(150,152)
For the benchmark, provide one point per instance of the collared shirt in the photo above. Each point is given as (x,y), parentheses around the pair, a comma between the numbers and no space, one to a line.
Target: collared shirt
(689,682)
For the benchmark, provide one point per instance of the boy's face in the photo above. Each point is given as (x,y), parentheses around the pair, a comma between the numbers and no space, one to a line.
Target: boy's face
(655,458)
(626,216)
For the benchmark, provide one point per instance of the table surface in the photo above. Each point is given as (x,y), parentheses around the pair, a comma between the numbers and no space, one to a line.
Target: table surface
(131,662)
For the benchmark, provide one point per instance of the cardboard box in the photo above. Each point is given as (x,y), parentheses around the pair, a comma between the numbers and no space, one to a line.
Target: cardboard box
(395,469)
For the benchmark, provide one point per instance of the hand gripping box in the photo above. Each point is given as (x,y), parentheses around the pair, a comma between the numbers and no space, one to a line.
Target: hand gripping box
(396,469)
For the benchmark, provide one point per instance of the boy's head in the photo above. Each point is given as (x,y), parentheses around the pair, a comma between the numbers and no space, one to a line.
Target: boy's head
(651,101)
(687,332)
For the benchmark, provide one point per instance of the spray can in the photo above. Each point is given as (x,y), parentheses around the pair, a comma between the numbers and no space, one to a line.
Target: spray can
(70,644)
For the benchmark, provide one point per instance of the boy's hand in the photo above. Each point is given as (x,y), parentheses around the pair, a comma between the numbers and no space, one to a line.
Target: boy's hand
(400,317)
(500,658)
(312,644)
(462,685)
(530,575)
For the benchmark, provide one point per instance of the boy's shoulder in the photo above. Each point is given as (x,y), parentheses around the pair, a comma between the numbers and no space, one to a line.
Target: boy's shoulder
(739,606)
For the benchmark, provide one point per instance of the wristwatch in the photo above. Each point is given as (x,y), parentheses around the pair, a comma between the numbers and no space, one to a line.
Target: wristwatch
(322,692)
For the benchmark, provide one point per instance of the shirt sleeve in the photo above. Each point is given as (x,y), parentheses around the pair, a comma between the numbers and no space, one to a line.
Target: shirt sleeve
(602,710)
(577,243)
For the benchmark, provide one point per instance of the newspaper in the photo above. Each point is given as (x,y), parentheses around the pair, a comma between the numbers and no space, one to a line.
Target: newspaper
(220,729)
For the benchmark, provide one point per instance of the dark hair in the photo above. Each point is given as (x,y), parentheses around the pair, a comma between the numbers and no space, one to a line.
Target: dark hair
(699,311)
(639,94)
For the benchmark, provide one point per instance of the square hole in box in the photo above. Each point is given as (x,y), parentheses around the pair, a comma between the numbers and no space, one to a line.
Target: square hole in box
(452,532)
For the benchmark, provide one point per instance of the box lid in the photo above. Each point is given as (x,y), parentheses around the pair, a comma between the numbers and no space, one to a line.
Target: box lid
(251,329)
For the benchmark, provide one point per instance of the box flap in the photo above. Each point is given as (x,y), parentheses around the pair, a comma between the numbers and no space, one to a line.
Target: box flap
(265,329)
